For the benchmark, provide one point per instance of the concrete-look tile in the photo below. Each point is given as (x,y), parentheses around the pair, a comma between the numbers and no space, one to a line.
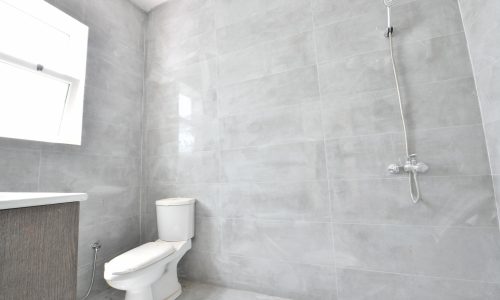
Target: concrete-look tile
(292,241)
(195,49)
(112,139)
(286,21)
(290,280)
(201,291)
(462,253)
(19,170)
(74,8)
(383,286)
(178,98)
(489,92)
(265,59)
(281,163)
(492,133)
(149,229)
(496,187)
(177,135)
(174,22)
(207,236)
(435,105)
(234,11)
(278,201)
(293,124)
(326,11)
(101,105)
(480,18)
(421,62)
(206,195)
(360,157)
(417,20)
(447,201)
(119,236)
(60,172)
(287,88)
(124,203)
(451,151)
(115,51)
(362,114)
(106,76)
(194,79)
(187,167)
(128,27)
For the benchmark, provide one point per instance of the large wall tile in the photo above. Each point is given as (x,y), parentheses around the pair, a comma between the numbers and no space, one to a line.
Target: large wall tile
(188,167)
(177,135)
(287,88)
(20,171)
(383,286)
(277,56)
(291,162)
(265,27)
(362,114)
(361,157)
(414,21)
(175,21)
(299,123)
(427,61)
(452,151)
(234,11)
(465,253)
(447,201)
(492,133)
(278,201)
(292,241)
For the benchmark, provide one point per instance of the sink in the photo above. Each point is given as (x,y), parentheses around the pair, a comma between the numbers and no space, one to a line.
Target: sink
(17,200)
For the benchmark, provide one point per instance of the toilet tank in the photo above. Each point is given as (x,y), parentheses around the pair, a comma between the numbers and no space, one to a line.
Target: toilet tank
(175,218)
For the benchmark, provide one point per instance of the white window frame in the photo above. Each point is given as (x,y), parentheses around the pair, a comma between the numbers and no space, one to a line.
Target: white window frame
(72,71)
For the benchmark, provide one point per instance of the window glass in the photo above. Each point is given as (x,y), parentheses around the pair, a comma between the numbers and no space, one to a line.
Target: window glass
(30,39)
(31,103)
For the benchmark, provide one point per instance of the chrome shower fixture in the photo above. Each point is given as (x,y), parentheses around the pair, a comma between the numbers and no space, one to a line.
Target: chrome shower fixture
(412,167)
(390,29)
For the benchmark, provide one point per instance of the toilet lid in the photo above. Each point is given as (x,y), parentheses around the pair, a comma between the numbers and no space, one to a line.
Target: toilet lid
(140,257)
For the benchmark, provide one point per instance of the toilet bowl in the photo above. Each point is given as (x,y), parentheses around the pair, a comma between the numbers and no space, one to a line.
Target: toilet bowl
(149,272)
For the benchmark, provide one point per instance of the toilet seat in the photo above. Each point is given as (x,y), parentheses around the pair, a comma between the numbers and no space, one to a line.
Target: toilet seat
(139,258)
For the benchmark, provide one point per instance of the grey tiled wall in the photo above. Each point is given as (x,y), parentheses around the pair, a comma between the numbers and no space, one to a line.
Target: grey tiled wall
(482,24)
(281,117)
(107,165)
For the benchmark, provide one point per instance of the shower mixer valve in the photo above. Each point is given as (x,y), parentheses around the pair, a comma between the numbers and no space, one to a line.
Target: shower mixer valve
(410,166)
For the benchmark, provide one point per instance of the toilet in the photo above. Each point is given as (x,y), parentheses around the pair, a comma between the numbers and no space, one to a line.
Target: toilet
(149,272)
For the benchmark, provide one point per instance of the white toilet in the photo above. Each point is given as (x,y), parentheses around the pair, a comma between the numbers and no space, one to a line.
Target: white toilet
(149,272)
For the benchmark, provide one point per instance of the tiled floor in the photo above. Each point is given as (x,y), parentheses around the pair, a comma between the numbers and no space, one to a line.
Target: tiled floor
(198,291)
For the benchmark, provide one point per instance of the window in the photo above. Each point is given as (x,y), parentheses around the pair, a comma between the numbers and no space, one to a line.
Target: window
(43,55)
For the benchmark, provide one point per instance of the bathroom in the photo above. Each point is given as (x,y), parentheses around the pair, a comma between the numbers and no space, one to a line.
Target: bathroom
(303,149)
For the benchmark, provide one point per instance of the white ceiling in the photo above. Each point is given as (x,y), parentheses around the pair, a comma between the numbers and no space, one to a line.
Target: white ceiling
(147,5)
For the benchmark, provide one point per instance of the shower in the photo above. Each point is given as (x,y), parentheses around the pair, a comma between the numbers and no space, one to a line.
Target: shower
(411,165)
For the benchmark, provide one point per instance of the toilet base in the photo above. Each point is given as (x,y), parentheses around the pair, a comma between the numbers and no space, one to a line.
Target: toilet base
(174,295)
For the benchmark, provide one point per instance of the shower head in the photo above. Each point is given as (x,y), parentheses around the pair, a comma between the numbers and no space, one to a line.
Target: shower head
(389,3)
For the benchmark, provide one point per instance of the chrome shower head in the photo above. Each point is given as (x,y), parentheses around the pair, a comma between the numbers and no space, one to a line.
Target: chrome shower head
(389,3)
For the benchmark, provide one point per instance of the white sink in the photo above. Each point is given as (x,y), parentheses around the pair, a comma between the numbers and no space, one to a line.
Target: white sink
(17,200)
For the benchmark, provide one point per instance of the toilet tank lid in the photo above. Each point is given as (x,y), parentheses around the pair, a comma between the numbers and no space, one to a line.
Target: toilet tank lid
(175,201)
(139,258)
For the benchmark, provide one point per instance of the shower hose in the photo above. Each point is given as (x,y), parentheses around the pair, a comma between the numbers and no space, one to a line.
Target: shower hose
(95,246)
(412,174)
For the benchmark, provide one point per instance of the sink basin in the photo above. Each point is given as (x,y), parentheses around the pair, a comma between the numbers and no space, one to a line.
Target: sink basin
(17,200)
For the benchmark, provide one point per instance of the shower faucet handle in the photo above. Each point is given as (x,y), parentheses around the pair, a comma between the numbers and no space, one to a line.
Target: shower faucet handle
(395,168)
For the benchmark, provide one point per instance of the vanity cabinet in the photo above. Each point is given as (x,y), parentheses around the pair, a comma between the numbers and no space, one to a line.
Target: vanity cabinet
(38,252)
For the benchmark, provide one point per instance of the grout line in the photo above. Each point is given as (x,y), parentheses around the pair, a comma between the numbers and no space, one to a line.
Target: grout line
(325,153)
